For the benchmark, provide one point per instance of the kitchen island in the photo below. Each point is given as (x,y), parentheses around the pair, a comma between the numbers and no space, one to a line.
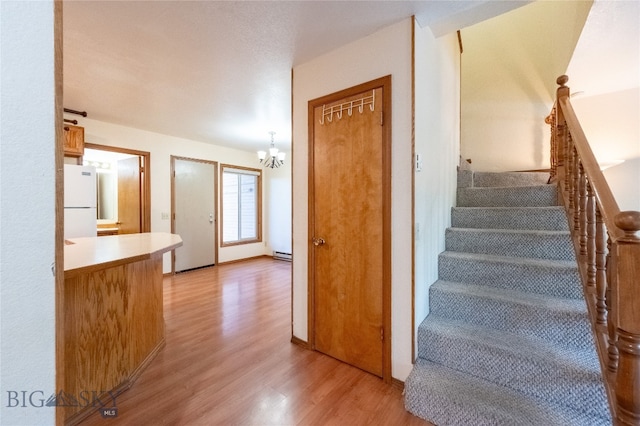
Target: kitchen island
(110,318)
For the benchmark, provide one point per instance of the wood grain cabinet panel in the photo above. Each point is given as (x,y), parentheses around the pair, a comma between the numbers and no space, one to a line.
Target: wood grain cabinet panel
(73,141)
(109,319)
(147,320)
(114,327)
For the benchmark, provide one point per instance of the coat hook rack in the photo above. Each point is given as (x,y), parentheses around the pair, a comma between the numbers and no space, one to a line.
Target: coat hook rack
(348,106)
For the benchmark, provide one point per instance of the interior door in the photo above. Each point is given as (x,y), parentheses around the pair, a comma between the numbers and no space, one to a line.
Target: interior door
(194,213)
(129,195)
(349,223)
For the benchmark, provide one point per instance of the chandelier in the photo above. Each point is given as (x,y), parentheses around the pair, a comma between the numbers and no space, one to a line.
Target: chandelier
(275,157)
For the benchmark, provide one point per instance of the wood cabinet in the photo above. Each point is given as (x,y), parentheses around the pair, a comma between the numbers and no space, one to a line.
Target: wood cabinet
(111,321)
(73,141)
(102,232)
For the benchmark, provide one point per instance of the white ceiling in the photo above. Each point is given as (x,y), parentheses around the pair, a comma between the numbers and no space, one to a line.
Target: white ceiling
(220,71)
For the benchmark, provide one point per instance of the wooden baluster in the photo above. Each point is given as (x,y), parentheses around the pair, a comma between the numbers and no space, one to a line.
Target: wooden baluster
(569,179)
(612,333)
(553,157)
(556,150)
(582,213)
(561,125)
(591,238)
(576,193)
(561,149)
(569,165)
(601,278)
(626,305)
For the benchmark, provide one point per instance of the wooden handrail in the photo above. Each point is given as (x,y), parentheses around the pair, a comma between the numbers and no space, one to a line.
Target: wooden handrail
(607,245)
(600,186)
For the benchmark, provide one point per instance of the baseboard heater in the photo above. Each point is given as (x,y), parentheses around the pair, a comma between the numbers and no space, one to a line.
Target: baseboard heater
(279,255)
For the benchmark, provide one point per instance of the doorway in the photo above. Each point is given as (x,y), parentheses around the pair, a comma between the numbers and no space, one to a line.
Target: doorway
(349,226)
(194,212)
(124,188)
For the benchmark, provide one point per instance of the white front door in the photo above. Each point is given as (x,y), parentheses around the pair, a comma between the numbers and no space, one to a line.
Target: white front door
(194,188)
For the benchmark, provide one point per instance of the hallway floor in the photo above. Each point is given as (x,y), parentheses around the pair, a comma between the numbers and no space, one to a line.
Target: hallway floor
(228,360)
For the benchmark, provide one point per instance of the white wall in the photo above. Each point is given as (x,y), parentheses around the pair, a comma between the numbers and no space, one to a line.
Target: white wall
(604,76)
(385,52)
(611,122)
(27,212)
(509,67)
(278,215)
(162,147)
(437,140)
(624,181)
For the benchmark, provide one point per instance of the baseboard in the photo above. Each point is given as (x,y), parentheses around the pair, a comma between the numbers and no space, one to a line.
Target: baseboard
(398,384)
(144,364)
(299,342)
(395,383)
(111,395)
(245,259)
(533,171)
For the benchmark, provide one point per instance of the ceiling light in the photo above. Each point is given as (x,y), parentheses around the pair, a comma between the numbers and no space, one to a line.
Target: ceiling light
(275,157)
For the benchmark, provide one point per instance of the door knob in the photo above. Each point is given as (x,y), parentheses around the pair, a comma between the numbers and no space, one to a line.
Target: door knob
(318,241)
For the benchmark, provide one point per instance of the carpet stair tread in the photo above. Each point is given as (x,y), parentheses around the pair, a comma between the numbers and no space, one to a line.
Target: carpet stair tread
(542,276)
(512,342)
(521,218)
(511,179)
(536,367)
(508,196)
(447,397)
(543,244)
(516,311)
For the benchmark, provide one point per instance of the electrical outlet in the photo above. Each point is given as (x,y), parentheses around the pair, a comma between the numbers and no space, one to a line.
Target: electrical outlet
(165,216)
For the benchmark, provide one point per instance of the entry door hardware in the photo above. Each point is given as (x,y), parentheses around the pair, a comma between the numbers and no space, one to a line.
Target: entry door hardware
(318,241)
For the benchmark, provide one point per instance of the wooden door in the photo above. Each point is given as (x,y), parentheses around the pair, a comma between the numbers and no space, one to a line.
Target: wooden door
(194,213)
(130,195)
(349,218)
(112,153)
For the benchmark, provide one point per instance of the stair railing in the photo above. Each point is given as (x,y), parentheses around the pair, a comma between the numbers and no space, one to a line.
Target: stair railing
(607,245)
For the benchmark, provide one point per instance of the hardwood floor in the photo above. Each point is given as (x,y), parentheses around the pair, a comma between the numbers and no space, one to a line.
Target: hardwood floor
(228,360)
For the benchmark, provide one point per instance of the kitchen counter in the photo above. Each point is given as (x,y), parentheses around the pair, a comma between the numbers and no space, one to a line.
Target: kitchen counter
(82,255)
(110,319)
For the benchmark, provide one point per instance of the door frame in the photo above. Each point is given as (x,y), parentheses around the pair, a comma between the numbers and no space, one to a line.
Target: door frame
(215,205)
(385,84)
(145,200)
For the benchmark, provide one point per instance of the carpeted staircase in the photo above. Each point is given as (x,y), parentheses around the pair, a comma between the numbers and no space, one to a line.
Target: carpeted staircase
(507,340)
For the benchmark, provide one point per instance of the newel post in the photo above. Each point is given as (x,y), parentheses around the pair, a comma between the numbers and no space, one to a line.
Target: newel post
(627,314)
(559,148)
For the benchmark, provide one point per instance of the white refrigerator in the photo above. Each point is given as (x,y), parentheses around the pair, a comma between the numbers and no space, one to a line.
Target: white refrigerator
(80,218)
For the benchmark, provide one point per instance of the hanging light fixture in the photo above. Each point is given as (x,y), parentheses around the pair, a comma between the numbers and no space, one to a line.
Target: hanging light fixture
(275,157)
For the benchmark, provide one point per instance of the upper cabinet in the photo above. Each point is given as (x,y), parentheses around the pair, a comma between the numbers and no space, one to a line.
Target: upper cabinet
(73,141)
